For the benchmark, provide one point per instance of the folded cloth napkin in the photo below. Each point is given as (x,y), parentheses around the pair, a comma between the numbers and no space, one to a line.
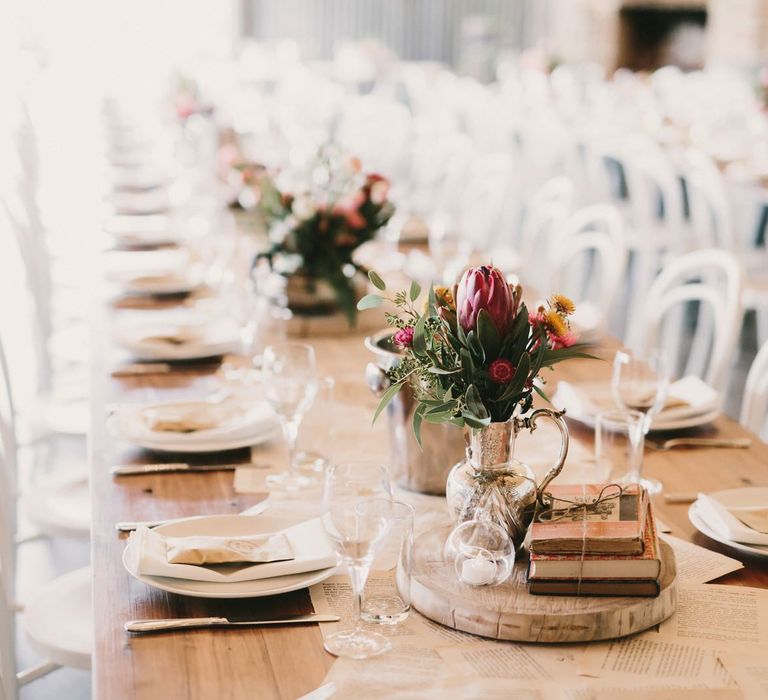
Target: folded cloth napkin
(730,523)
(174,336)
(687,396)
(204,549)
(311,547)
(191,416)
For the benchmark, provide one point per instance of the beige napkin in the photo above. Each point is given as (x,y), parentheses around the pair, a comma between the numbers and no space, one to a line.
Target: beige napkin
(188,417)
(730,523)
(756,518)
(174,336)
(200,549)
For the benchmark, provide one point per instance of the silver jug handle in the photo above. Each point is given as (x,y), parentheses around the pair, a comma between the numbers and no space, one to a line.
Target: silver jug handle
(557,418)
(376,379)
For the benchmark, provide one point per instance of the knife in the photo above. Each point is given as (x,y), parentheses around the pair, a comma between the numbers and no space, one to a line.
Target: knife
(165,467)
(138,626)
(130,525)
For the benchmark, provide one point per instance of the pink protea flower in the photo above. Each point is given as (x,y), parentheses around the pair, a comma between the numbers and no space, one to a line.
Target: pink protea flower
(485,288)
(404,337)
(501,371)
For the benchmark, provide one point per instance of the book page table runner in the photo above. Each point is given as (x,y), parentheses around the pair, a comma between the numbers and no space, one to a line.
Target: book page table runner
(510,612)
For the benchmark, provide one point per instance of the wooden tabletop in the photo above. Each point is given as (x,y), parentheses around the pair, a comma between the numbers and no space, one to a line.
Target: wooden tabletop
(284,662)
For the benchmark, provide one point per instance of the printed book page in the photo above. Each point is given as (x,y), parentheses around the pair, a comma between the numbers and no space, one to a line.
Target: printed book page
(698,565)
(750,672)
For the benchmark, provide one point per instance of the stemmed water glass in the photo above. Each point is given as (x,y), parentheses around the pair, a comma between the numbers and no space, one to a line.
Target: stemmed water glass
(357,510)
(289,375)
(642,384)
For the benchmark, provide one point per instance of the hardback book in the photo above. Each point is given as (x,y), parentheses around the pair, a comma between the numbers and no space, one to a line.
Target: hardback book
(601,566)
(612,526)
(596,587)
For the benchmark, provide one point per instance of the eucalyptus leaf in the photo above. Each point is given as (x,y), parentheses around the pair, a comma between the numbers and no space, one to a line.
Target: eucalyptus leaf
(419,345)
(418,417)
(389,394)
(438,418)
(414,291)
(474,422)
(440,370)
(475,347)
(376,281)
(370,301)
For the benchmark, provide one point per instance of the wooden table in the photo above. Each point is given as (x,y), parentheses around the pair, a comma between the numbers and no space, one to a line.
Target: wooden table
(285,662)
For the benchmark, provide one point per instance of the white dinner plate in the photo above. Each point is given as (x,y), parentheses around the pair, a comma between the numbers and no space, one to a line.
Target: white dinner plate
(125,423)
(694,419)
(227,526)
(732,498)
(146,343)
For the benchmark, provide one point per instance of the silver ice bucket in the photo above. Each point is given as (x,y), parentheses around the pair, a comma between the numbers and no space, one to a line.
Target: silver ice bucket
(423,469)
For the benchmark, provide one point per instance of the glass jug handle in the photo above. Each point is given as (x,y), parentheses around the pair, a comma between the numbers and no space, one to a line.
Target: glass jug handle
(557,418)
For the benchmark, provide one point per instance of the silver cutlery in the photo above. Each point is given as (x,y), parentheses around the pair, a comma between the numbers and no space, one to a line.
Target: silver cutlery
(130,525)
(151,369)
(169,467)
(138,626)
(699,442)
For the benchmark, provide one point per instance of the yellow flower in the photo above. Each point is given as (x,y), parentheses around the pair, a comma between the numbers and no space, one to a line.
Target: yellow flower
(555,322)
(445,297)
(562,304)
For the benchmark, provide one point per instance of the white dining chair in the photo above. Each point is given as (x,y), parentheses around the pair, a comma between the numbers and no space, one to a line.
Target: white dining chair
(589,263)
(754,405)
(713,279)
(58,618)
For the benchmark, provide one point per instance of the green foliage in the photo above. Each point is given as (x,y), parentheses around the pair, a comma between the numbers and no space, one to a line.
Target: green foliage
(449,369)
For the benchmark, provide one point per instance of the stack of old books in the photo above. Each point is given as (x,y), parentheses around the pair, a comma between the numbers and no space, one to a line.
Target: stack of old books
(594,539)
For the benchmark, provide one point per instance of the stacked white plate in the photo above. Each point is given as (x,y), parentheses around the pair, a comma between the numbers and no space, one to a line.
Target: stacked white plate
(224,424)
(155,272)
(230,526)
(180,339)
(155,201)
(719,520)
(583,401)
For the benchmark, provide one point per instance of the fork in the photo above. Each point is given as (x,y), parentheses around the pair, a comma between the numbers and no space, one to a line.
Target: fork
(699,442)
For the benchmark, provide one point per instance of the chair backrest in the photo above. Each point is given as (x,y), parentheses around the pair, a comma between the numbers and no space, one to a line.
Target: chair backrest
(712,278)
(545,214)
(655,192)
(710,209)
(590,261)
(8,684)
(754,405)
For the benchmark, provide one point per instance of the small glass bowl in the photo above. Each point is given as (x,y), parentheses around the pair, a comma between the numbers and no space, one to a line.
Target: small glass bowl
(482,553)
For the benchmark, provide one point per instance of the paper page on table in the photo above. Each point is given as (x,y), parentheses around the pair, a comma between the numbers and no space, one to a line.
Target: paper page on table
(750,672)
(719,617)
(648,658)
(698,565)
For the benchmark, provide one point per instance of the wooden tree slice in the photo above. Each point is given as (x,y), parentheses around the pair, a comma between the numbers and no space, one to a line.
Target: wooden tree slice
(510,612)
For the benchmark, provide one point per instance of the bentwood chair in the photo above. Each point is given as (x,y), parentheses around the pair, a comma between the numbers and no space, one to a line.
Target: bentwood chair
(58,618)
(754,405)
(711,279)
(589,263)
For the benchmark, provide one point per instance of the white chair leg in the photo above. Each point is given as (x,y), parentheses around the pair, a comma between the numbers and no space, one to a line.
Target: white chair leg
(761,323)
(32,674)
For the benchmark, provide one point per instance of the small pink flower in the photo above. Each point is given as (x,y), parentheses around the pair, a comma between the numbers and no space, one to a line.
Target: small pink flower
(404,337)
(501,371)
(562,341)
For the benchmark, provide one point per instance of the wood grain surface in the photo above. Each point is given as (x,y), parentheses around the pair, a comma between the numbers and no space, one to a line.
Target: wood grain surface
(509,612)
(285,662)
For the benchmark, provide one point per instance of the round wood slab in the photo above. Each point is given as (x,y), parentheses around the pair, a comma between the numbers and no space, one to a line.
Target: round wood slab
(510,612)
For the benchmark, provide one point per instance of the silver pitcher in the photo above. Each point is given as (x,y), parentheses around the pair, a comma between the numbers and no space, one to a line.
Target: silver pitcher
(423,469)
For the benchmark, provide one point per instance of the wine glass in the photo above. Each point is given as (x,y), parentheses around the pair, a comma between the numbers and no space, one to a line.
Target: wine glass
(289,375)
(357,510)
(642,385)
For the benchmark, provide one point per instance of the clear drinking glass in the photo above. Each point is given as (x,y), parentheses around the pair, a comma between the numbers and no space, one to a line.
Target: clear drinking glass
(390,603)
(642,384)
(289,376)
(619,440)
(449,250)
(313,445)
(357,504)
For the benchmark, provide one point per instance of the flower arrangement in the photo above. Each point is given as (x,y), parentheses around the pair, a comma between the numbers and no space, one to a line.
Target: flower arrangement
(475,355)
(315,232)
